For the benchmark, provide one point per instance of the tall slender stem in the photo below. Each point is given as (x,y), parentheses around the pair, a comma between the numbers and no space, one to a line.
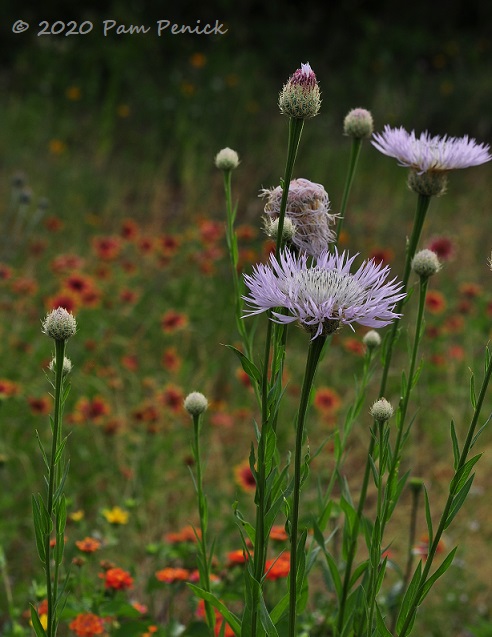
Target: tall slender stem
(354,157)
(261,541)
(423,202)
(53,481)
(443,522)
(314,353)
(202,511)
(422,207)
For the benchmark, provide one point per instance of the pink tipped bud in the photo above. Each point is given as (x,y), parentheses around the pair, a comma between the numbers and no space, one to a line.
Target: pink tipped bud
(300,97)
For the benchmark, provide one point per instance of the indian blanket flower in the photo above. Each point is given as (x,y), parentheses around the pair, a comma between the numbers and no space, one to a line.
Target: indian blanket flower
(323,296)
(430,154)
(171,575)
(244,477)
(308,208)
(87,625)
(117,579)
(300,97)
(88,545)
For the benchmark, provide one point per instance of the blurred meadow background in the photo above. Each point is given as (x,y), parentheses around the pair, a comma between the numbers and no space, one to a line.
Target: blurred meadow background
(110,205)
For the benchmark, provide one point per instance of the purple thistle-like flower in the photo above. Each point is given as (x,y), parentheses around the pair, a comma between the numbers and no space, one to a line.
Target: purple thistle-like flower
(304,76)
(300,97)
(430,154)
(325,295)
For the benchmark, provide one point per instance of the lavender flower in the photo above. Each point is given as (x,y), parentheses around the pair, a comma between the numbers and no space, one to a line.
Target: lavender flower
(430,154)
(308,208)
(324,296)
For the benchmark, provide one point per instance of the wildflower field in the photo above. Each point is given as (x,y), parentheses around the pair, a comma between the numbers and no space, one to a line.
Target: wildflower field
(264,423)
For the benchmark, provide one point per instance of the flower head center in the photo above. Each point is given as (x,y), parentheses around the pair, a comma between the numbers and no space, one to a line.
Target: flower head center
(318,285)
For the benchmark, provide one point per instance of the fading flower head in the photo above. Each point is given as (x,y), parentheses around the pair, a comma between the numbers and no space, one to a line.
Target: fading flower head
(323,296)
(430,154)
(300,97)
(308,208)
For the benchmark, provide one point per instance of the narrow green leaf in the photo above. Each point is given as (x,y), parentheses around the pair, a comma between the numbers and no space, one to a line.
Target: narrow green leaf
(39,531)
(266,620)
(60,450)
(436,575)
(243,523)
(428,517)
(335,575)
(381,626)
(36,624)
(230,618)
(360,570)
(462,474)
(43,452)
(458,500)
(456,447)
(409,598)
(473,398)
(479,432)
(248,365)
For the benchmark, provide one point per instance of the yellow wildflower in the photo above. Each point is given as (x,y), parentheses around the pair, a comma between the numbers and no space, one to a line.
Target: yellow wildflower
(116,515)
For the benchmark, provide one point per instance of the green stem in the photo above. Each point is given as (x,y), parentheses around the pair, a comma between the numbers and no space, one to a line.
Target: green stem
(233,254)
(261,542)
(420,213)
(443,522)
(314,353)
(402,411)
(410,558)
(374,572)
(354,157)
(202,511)
(423,202)
(53,482)
(295,131)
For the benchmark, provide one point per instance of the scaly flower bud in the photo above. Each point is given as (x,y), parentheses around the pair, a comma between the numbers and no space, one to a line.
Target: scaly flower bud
(381,410)
(227,159)
(358,123)
(300,97)
(195,403)
(425,263)
(60,324)
(67,365)
(371,340)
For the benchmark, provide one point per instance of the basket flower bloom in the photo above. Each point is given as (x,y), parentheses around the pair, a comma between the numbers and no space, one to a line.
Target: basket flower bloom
(323,296)
(308,207)
(430,154)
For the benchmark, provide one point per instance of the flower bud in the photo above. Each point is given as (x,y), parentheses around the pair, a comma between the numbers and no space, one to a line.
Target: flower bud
(300,97)
(195,403)
(271,229)
(59,324)
(425,263)
(67,365)
(227,159)
(358,123)
(371,340)
(416,484)
(381,410)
